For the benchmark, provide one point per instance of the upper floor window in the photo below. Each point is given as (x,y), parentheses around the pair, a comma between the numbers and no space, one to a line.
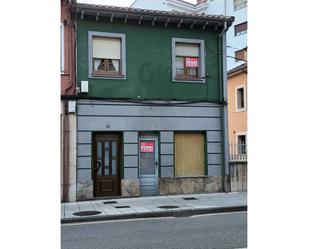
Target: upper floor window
(107,55)
(240,28)
(61,48)
(241,55)
(240,99)
(188,62)
(239,4)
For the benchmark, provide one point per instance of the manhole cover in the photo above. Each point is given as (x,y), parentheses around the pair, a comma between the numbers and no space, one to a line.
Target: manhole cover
(189,198)
(86,213)
(168,207)
(122,207)
(109,202)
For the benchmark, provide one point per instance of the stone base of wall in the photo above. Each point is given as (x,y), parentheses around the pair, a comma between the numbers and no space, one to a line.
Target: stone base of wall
(130,187)
(84,190)
(190,185)
(238,178)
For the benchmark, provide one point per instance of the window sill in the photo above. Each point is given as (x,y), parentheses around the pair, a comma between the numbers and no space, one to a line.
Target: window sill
(188,80)
(241,110)
(108,76)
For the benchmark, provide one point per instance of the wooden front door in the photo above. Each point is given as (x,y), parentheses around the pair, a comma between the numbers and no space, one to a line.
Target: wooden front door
(106,165)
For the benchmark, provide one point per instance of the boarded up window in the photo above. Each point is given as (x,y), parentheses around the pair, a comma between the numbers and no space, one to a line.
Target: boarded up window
(240,28)
(189,154)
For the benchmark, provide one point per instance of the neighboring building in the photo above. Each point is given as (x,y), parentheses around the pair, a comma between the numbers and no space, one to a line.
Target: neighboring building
(237,108)
(172,5)
(68,117)
(151,107)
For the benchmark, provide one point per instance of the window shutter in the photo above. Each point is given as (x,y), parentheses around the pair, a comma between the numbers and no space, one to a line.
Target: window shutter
(187,49)
(107,48)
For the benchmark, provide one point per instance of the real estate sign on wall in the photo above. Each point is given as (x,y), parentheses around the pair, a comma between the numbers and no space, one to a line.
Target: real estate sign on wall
(147,146)
(191,62)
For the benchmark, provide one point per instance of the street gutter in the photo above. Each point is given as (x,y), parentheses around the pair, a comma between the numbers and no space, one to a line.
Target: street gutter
(164,213)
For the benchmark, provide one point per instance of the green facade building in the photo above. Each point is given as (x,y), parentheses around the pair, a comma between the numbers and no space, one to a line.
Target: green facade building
(151,107)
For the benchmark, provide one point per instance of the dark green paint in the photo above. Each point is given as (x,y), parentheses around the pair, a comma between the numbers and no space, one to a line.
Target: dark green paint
(149,63)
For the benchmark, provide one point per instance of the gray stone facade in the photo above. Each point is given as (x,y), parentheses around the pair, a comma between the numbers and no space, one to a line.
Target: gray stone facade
(190,185)
(130,187)
(132,119)
(84,190)
(238,177)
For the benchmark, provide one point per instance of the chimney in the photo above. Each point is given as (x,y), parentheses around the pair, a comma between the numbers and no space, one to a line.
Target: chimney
(199,1)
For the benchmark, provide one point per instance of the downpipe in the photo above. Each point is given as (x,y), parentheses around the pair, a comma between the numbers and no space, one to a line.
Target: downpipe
(224,113)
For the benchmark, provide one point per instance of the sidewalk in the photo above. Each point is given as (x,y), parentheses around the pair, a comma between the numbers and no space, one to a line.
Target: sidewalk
(156,206)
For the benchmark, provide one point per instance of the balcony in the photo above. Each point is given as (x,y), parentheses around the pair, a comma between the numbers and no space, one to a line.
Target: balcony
(238,152)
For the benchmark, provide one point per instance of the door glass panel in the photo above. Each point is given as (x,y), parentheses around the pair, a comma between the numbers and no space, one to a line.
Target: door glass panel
(113,167)
(114,149)
(147,159)
(99,149)
(106,162)
(107,171)
(98,167)
(106,145)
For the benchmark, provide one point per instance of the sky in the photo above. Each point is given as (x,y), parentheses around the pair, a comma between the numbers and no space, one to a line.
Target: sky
(124,3)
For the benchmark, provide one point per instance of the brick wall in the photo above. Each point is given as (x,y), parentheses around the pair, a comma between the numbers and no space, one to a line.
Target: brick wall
(68,83)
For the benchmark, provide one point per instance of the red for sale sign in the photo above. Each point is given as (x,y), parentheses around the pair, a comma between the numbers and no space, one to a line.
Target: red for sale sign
(191,62)
(147,146)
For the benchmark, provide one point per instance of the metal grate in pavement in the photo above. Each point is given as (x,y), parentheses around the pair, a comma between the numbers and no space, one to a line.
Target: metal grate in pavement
(122,207)
(168,207)
(110,202)
(86,213)
(189,198)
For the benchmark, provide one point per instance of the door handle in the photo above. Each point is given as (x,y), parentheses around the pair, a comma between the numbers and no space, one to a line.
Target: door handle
(97,168)
(156,162)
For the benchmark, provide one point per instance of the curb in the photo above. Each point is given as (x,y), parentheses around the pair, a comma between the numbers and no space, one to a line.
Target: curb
(166,213)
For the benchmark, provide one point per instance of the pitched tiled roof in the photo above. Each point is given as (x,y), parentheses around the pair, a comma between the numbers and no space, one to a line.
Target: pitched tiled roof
(172,15)
(238,69)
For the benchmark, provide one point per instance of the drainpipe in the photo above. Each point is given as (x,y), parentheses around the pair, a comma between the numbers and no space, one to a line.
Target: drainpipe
(224,113)
(65,153)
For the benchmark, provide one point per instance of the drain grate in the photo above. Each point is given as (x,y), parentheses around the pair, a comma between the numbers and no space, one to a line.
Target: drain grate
(110,202)
(86,213)
(122,207)
(189,198)
(168,207)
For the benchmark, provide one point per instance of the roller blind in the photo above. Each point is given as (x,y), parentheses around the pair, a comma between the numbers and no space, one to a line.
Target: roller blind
(105,47)
(187,49)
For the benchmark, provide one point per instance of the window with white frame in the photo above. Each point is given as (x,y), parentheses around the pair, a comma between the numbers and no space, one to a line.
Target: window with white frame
(240,99)
(239,4)
(106,55)
(61,48)
(188,60)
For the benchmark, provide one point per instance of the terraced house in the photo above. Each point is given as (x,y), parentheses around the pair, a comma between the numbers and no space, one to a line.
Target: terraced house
(151,103)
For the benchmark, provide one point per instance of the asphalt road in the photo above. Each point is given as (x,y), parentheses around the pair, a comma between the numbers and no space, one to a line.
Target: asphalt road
(219,231)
